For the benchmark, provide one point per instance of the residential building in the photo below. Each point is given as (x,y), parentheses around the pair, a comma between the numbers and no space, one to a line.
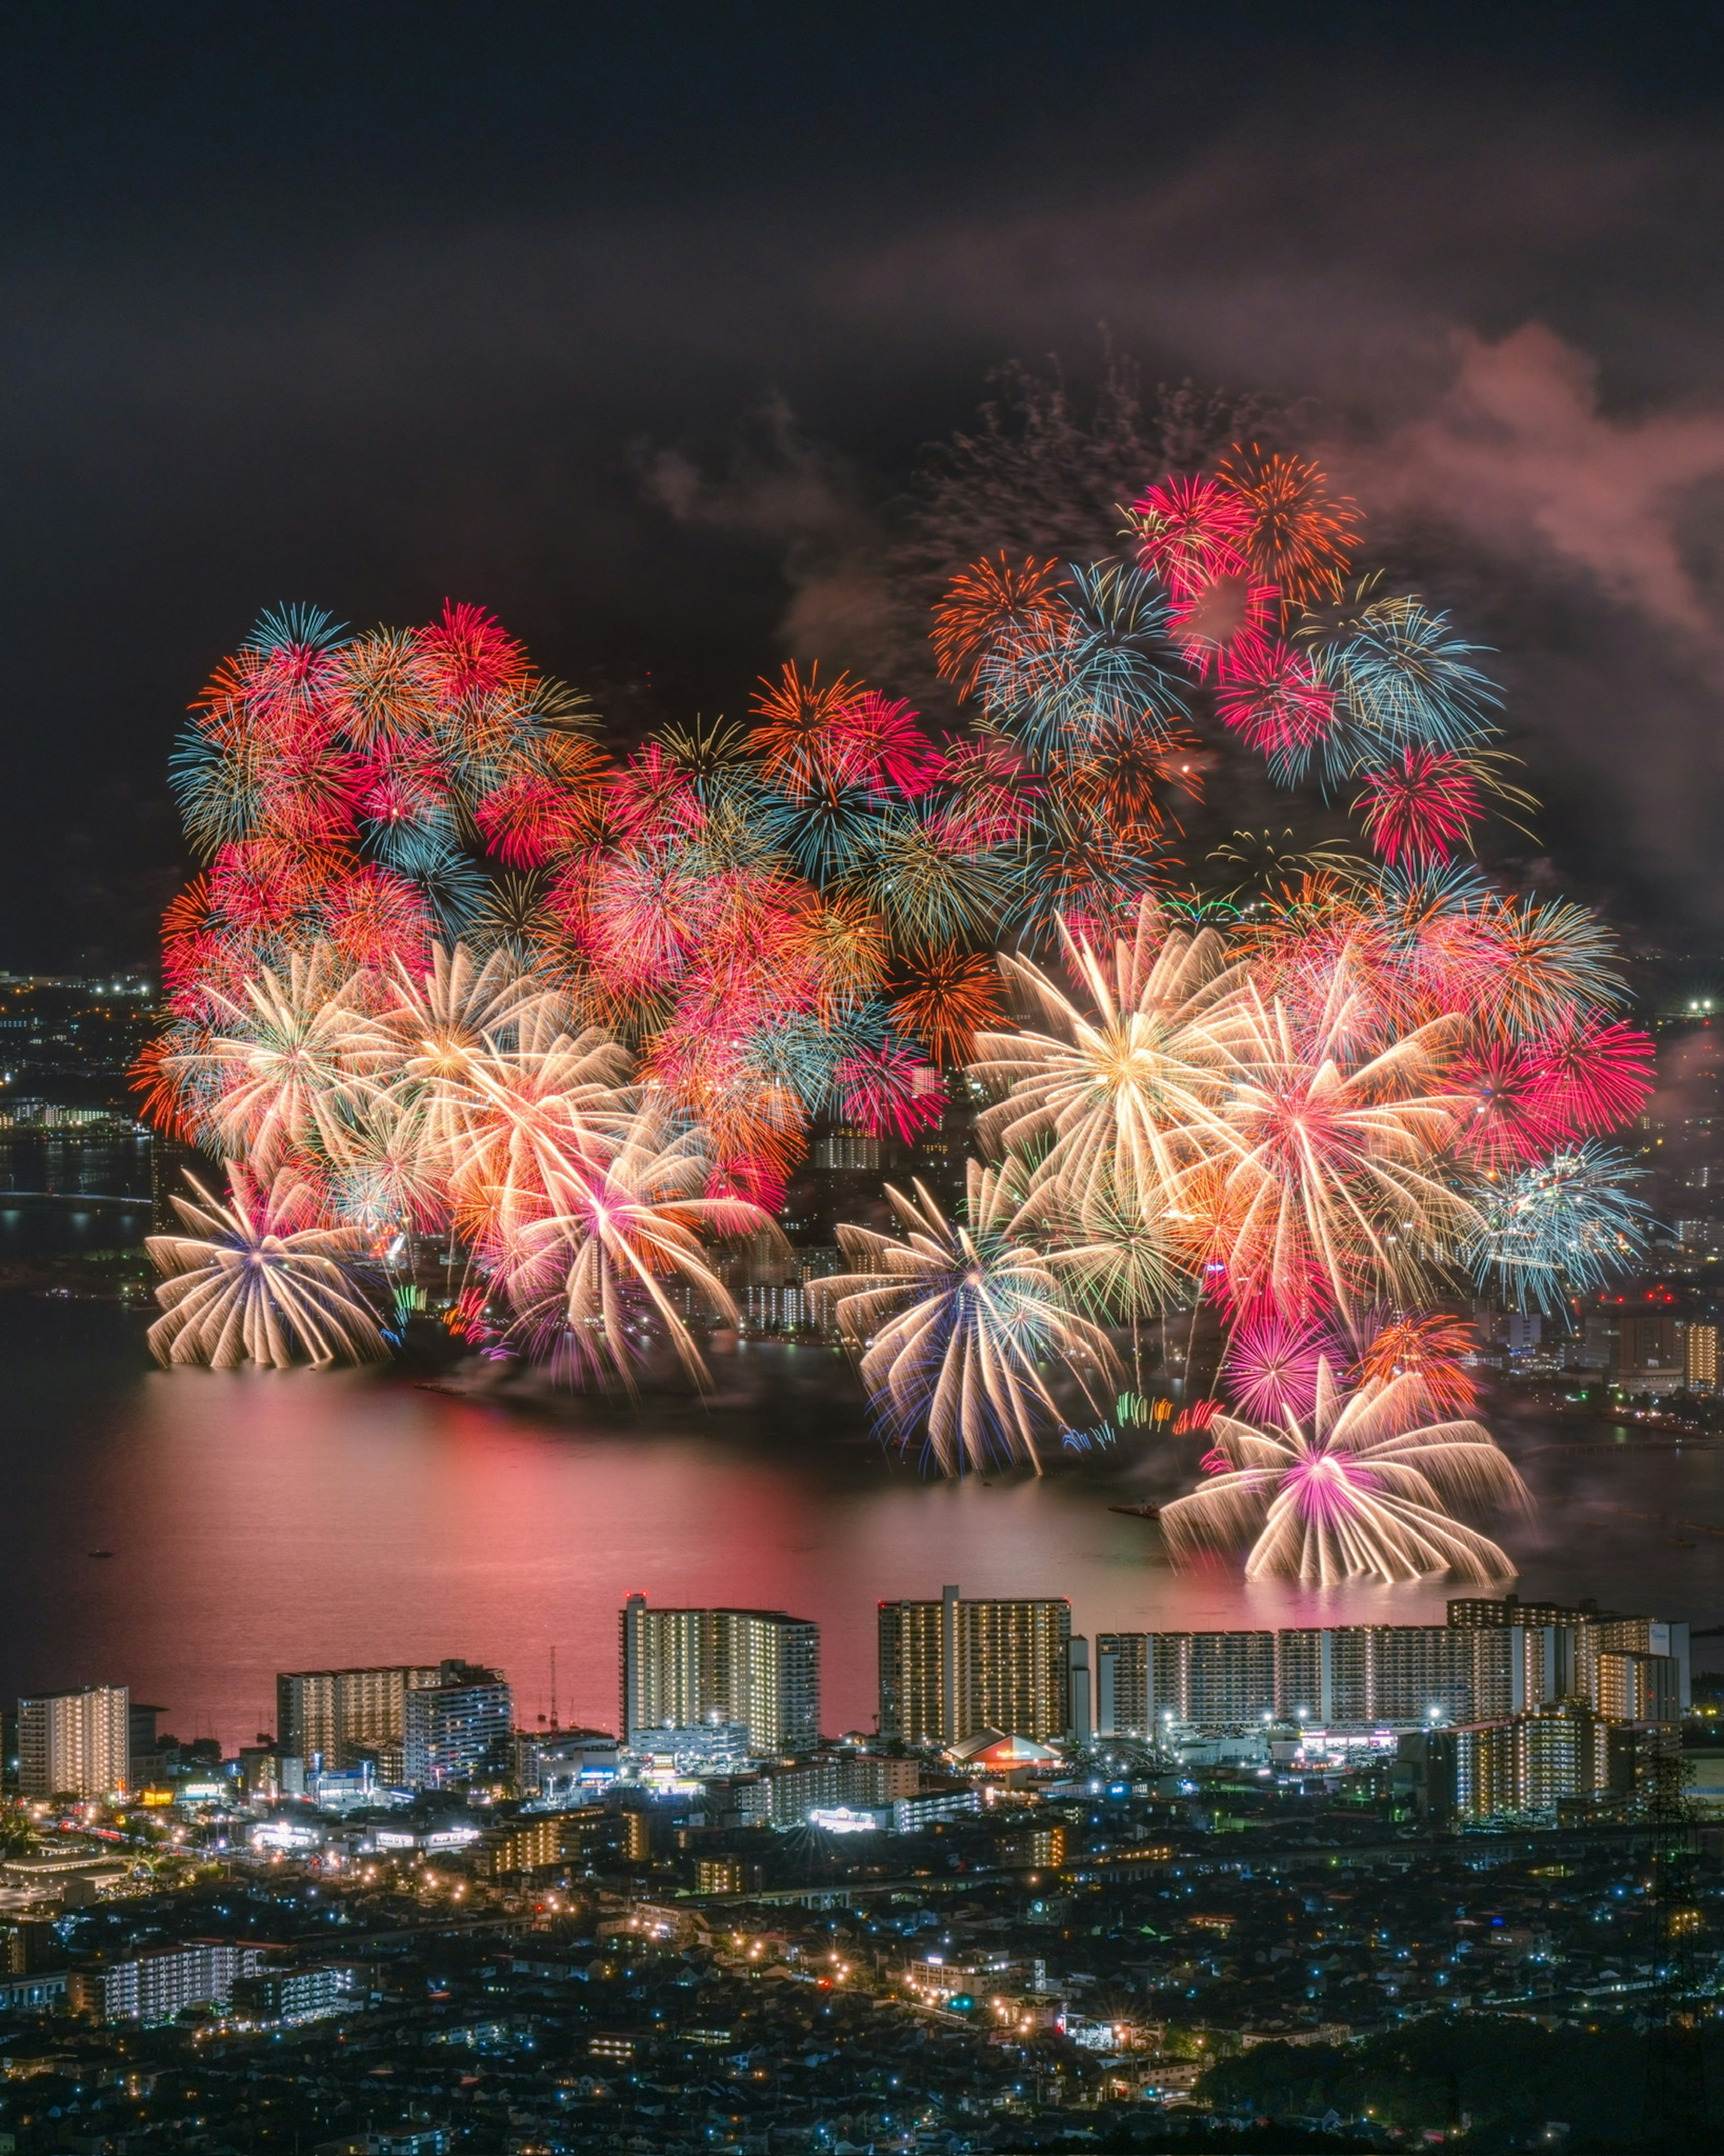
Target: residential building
(680,1668)
(550,1840)
(860,1781)
(1700,1350)
(333,1718)
(1493,1658)
(76,1744)
(1639,1687)
(456,1729)
(156,1987)
(951,1668)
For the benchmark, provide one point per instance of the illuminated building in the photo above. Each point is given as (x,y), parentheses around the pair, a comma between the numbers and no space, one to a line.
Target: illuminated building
(1639,1687)
(1546,1755)
(726,1875)
(338,1716)
(156,1987)
(708,1748)
(551,1840)
(1492,1659)
(680,1668)
(951,1668)
(76,1744)
(859,1781)
(1646,1344)
(1700,1356)
(1343,1675)
(457,1729)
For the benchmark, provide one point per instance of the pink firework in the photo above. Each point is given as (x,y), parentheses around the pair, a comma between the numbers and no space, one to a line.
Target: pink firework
(1509,1120)
(890,1092)
(1226,620)
(1419,808)
(1594,1076)
(468,653)
(1273,700)
(1361,1488)
(1191,532)
(1270,1370)
(879,745)
(651,796)
(530,820)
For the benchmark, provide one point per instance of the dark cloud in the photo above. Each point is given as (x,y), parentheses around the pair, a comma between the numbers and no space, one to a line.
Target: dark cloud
(636,339)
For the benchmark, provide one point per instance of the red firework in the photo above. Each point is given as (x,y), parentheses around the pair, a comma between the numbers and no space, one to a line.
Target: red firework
(530,820)
(1508,1122)
(1594,1076)
(1417,809)
(1272,697)
(881,745)
(468,653)
(261,884)
(890,1092)
(376,919)
(651,796)
(1191,532)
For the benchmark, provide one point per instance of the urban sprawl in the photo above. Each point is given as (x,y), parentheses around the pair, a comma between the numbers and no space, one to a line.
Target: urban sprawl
(1374,1883)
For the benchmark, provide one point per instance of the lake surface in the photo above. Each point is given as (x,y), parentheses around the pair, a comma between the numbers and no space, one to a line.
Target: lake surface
(261,1521)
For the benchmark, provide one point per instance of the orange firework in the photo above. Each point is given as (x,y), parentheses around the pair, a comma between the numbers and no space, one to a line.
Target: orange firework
(800,737)
(1431,1349)
(949,997)
(982,601)
(1300,537)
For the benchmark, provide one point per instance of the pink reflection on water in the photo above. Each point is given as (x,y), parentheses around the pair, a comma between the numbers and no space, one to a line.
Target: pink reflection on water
(273,1522)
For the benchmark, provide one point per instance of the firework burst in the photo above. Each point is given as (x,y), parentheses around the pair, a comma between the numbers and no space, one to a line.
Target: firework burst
(953,1323)
(260,1281)
(1359,1491)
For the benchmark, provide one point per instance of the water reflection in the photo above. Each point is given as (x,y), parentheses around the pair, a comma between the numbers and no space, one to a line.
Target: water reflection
(262,1522)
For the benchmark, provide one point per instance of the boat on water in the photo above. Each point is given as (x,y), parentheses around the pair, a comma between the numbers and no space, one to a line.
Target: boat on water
(1137,1511)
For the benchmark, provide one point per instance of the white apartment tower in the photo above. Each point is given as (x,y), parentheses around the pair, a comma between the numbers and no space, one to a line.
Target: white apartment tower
(76,1744)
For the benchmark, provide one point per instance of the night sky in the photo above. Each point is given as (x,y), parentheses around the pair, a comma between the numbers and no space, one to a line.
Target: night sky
(629,324)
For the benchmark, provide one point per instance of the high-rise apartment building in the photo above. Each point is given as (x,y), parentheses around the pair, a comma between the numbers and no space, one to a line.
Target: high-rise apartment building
(951,1668)
(456,1728)
(1530,1764)
(1701,1346)
(759,1667)
(339,1717)
(1491,1660)
(1343,1675)
(76,1744)
(1639,1687)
